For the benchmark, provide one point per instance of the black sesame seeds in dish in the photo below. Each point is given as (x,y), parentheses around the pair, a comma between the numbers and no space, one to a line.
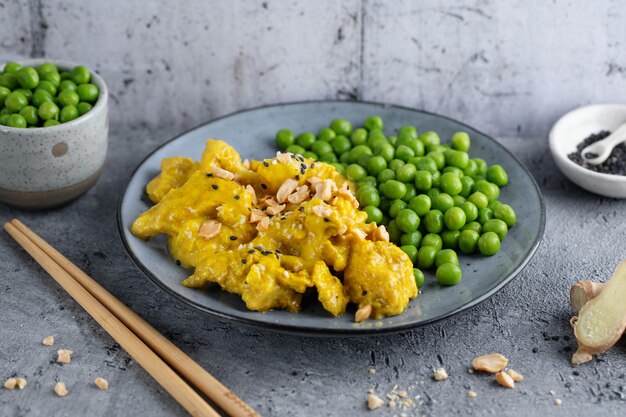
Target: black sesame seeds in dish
(615,163)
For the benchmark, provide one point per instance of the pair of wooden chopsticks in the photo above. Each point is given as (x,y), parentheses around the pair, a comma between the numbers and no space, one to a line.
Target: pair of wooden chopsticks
(142,341)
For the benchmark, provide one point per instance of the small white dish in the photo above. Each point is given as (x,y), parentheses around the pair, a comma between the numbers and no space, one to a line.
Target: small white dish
(573,128)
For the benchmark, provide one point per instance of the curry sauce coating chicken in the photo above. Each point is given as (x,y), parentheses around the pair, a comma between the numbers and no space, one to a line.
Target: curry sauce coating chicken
(278,227)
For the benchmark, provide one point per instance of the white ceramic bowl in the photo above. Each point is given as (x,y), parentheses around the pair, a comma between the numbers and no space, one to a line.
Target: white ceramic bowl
(573,128)
(50,166)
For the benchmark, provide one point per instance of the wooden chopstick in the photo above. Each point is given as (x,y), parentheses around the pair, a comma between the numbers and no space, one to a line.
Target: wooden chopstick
(168,351)
(150,361)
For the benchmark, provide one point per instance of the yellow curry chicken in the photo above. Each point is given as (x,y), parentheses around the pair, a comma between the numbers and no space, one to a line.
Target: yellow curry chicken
(271,230)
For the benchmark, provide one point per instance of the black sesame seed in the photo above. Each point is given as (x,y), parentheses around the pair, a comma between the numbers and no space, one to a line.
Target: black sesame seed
(301,208)
(297,177)
(233,238)
(209,175)
(313,165)
(251,251)
(283,218)
(303,171)
(266,252)
(303,166)
(243,261)
(237,197)
(264,186)
(326,219)
(293,156)
(215,187)
(615,164)
(266,163)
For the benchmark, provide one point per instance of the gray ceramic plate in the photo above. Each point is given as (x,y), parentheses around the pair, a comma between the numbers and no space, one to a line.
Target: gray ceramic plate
(251,132)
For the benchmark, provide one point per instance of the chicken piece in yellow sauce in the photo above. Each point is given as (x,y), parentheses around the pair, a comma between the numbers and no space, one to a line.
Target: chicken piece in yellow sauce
(280,226)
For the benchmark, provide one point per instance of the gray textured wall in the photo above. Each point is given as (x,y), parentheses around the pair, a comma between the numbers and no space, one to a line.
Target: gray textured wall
(506,67)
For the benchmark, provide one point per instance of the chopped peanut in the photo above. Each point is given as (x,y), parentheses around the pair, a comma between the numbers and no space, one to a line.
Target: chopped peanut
(301,194)
(359,234)
(48,341)
(21,383)
(440,374)
(380,234)
(209,229)
(505,380)
(251,191)
(246,164)
(322,211)
(101,383)
(285,190)
(363,313)
(257,215)
(60,389)
(10,383)
(284,158)
(492,363)
(275,209)
(64,356)
(516,377)
(264,224)
(343,228)
(222,173)
(374,401)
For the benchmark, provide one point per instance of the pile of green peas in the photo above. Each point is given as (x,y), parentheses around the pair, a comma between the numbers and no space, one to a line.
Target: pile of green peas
(433,198)
(43,96)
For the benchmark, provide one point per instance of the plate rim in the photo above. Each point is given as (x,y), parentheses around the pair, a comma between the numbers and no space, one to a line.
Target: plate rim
(343,332)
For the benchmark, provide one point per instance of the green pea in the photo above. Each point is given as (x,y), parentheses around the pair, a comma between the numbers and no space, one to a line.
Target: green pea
(4,93)
(468,241)
(66,75)
(471,211)
(404,153)
(385,150)
(48,110)
(310,155)
(80,75)
(394,232)
(299,150)
(420,204)
(411,238)
(433,221)
(305,140)
(484,215)
(394,189)
(328,157)
(475,226)
(442,202)
(68,113)
(505,213)
(392,140)
(448,274)
(27,77)
(430,138)
(471,169)
(396,207)
(341,127)
(396,164)
(345,158)
(53,77)
(68,98)
(419,277)
(426,164)
(47,86)
(4,119)
(481,166)
(493,205)
(454,218)
(375,139)
(16,120)
(375,165)
(489,244)
(411,252)
(369,180)
(11,68)
(385,175)
(406,173)
(497,226)
(358,137)
(51,122)
(438,157)
(40,97)
(457,158)
(467,183)
(355,172)
(432,193)
(410,192)
(479,199)
(408,221)
(362,160)
(340,144)
(284,137)
(88,92)
(450,238)
(436,178)
(426,256)
(9,80)
(373,122)
(450,183)
(15,101)
(4,110)
(497,175)
(29,113)
(492,191)
(450,169)
(359,150)
(461,141)
(445,256)
(374,215)
(458,200)
(369,197)
(319,147)
(338,167)
(423,180)
(327,134)
(46,68)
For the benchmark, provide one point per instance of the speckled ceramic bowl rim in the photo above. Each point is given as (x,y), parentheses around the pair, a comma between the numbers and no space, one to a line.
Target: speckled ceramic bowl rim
(100,104)
(597,176)
(325,332)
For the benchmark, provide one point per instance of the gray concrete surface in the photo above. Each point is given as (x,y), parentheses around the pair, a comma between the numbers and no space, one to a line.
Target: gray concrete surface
(286,375)
(180,63)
